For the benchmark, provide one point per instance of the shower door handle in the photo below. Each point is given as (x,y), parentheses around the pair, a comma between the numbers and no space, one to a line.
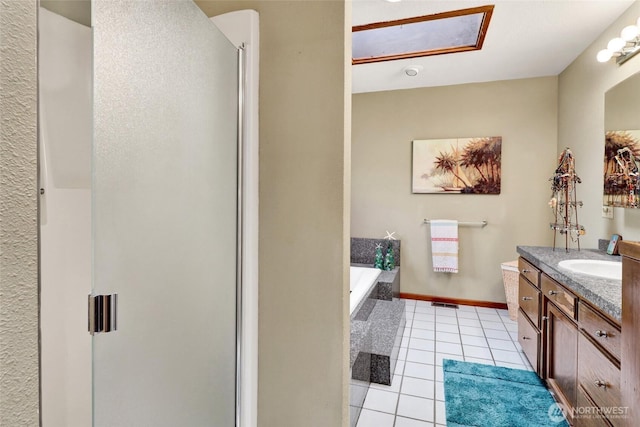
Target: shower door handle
(103,310)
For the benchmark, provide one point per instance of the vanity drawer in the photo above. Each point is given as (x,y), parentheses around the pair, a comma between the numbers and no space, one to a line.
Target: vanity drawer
(599,377)
(589,419)
(529,339)
(529,300)
(600,329)
(529,271)
(561,297)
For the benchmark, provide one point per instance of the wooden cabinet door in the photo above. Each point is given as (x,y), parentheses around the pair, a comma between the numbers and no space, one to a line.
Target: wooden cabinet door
(562,355)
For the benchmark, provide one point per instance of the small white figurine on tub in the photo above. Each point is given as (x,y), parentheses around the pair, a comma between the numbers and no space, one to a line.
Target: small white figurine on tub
(389,236)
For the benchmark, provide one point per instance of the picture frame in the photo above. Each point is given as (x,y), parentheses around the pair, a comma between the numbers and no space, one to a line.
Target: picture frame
(457,165)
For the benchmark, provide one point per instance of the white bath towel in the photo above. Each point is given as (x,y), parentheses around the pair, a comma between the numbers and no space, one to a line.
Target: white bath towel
(444,245)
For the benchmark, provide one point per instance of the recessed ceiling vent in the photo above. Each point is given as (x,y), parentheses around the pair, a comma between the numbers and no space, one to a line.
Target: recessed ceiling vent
(447,32)
(413,70)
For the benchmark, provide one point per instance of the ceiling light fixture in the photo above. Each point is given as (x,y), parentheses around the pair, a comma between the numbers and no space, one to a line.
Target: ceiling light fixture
(624,47)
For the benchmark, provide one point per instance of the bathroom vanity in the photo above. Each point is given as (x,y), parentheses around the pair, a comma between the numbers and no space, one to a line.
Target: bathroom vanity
(569,327)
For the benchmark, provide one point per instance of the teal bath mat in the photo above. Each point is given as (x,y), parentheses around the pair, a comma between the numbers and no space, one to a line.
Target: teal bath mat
(491,396)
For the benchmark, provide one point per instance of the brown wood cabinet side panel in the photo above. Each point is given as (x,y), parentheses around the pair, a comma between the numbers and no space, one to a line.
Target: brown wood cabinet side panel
(630,351)
(629,249)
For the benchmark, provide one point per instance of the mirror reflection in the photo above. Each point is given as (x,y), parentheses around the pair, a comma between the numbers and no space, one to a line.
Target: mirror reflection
(622,145)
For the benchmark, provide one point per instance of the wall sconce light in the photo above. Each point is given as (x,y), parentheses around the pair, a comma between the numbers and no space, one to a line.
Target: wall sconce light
(624,47)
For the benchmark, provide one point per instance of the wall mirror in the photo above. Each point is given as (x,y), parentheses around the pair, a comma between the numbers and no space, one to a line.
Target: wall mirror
(622,145)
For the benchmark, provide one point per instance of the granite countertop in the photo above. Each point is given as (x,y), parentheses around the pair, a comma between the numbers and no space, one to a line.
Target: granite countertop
(604,294)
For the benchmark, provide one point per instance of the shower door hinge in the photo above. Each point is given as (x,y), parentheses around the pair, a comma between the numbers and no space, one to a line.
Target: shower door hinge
(103,313)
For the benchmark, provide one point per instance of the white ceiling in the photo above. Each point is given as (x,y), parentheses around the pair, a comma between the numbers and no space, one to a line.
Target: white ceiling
(526,38)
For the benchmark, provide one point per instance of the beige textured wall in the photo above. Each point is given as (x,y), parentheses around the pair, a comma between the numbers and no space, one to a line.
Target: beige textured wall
(621,106)
(302,312)
(582,87)
(523,112)
(18,215)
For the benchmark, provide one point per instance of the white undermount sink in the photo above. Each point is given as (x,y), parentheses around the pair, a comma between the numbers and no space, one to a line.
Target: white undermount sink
(605,269)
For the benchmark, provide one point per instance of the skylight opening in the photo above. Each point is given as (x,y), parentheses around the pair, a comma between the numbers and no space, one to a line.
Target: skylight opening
(447,32)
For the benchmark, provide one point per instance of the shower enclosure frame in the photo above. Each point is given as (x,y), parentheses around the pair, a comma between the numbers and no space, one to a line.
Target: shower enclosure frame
(246,39)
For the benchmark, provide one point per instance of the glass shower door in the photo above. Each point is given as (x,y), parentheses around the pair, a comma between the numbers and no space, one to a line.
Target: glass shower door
(164,215)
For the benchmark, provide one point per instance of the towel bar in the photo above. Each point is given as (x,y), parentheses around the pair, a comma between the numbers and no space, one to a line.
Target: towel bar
(482,223)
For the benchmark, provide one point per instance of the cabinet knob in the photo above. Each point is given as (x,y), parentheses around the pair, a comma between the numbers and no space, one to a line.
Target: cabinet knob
(527,298)
(545,318)
(526,338)
(602,334)
(601,384)
(553,292)
(525,271)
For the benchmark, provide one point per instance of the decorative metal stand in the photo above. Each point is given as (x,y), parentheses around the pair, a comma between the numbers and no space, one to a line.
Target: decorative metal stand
(563,201)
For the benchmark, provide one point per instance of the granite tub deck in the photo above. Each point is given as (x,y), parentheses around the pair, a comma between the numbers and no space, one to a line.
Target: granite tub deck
(376,334)
(377,325)
(387,288)
(375,342)
(605,294)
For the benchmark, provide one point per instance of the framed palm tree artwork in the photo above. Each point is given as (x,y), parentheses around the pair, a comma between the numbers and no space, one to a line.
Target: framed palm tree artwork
(457,165)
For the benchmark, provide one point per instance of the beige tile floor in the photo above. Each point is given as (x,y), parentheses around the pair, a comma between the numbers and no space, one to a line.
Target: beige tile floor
(415,397)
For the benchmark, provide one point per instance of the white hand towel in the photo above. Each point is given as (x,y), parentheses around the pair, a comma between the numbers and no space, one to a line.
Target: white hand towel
(444,245)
